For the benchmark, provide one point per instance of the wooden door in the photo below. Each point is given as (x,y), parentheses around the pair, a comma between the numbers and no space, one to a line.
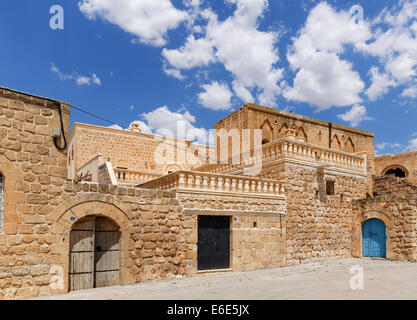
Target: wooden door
(94,254)
(106,258)
(81,267)
(374,238)
(213,249)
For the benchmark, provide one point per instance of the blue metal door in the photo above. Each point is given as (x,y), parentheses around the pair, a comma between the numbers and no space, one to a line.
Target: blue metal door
(373,238)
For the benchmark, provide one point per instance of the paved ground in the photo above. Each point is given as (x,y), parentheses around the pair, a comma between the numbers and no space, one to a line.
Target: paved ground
(325,280)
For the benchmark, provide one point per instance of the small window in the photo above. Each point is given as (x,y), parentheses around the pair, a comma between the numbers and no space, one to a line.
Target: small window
(1,202)
(329,187)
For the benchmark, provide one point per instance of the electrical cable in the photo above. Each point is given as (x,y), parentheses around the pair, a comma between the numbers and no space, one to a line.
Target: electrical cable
(144,135)
(58,104)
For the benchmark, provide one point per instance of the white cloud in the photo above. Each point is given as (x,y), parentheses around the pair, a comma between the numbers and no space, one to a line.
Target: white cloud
(395,43)
(242,92)
(355,115)
(149,20)
(380,84)
(79,79)
(61,75)
(246,52)
(216,96)
(83,80)
(384,145)
(412,145)
(115,126)
(322,78)
(163,121)
(194,53)
(175,73)
(410,92)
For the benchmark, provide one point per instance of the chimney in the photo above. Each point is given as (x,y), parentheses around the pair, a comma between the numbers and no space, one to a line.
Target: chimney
(135,127)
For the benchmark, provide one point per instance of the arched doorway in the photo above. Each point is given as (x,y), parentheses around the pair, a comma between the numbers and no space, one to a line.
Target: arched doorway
(398,172)
(94,253)
(374,238)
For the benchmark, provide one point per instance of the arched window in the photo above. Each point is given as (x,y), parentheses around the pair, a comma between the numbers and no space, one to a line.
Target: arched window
(1,202)
(398,172)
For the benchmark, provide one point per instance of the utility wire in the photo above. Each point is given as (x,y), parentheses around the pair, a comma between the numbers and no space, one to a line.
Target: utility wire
(93,115)
(144,135)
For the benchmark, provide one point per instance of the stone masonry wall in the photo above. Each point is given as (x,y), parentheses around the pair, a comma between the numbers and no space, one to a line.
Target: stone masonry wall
(131,150)
(40,206)
(34,171)
(154,238)
(407,161)
(395,203)
(317,225)
(257,227)
(273,123)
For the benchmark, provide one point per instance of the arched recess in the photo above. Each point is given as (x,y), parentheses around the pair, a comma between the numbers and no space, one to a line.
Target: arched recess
(267,132)
(74,210)
(301,134)
(94,253)
(349,146)
(284,127)
(336,143)
(397,170)
(171,168)
(359,220)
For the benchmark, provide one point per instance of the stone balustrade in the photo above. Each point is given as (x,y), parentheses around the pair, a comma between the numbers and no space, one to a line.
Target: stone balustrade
(195,181)
(287,148)
(133,177)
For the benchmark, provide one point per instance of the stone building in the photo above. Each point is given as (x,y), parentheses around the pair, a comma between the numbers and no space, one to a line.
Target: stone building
(98,206)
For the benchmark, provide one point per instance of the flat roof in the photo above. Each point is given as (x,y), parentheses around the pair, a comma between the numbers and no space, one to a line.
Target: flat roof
(128,132)
(252,106)
(397,155)
(32,95)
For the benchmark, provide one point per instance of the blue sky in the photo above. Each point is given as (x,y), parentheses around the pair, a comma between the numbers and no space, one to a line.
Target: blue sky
(157,62)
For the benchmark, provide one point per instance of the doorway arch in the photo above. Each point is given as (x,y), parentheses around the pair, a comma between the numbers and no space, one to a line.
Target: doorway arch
(374,238)
(94,253)
(398,171)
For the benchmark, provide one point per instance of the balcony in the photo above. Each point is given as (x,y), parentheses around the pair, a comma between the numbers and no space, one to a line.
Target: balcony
(129,177)
(293,150)
(190,181)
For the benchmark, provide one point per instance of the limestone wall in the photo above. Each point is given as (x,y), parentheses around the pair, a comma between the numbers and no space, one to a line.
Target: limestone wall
(258,227)
(132,150)
(406,161)
(274,122)
(395,203)
(40,206)
(317,225)
(34,172)
(154,238)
